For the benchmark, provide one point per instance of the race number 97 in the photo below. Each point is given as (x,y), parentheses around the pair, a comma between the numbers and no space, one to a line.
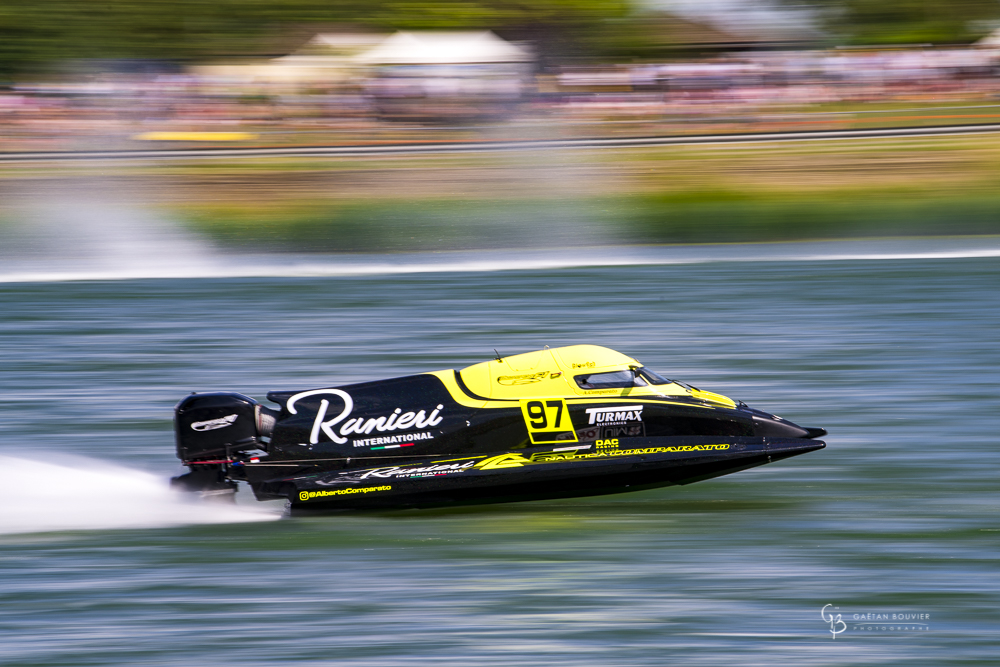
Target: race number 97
(548,420)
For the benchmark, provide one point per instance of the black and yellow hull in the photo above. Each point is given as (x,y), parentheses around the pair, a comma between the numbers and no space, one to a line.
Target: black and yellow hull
(567,422)
(632,464)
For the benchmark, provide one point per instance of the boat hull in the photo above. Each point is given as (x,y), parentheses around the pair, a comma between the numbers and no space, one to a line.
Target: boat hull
(627,464)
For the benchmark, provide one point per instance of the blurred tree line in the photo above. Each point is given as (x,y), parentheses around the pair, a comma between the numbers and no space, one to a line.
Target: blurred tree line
(36,34)
(892,22)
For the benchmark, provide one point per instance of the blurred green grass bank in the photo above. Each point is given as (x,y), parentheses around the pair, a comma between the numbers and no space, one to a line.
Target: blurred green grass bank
(762,192)
(692,217)
(562,199)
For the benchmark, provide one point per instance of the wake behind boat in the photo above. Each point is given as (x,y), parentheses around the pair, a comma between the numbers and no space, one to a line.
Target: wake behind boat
(566,422)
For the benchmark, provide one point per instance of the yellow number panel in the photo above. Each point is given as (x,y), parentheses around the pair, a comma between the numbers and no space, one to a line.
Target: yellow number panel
(547,420)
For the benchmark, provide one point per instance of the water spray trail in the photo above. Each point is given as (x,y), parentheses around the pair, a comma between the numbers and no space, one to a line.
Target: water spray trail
(86,494)
(93,234)
(295,266)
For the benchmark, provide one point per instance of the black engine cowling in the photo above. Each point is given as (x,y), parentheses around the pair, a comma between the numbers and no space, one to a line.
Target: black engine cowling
(214,425)
(211,428)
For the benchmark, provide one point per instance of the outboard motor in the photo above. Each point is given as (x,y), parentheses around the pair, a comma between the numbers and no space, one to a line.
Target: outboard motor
(213,427)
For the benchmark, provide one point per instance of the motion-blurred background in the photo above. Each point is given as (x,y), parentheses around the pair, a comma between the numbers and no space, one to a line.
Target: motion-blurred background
(127,75)
(149,247)
(305,70)
(285,71)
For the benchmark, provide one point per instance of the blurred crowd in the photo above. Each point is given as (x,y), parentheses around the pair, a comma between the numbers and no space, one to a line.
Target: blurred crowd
(128,105)
(763,83)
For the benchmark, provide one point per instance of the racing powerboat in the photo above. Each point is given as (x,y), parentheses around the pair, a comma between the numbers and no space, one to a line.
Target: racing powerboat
(555,423)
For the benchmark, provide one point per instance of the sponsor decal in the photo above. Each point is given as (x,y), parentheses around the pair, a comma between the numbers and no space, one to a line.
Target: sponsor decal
(389,441)
(499,462)
(397,421)
(652,450)
(553,457)
(503,461)
(424,471)
(609,448)
(323,493)
(212,424)
(606,431)
(633,431)
(512,380)
(616,414)
(586,364)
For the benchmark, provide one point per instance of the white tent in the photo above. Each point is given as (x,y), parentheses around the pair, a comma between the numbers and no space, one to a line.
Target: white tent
(991,41)
(443,48)
(327,57)
(341,43)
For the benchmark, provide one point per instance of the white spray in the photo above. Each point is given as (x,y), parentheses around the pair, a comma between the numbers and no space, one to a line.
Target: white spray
(73,493)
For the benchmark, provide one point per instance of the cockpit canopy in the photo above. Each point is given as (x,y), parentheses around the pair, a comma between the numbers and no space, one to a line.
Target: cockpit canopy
(633,377)
(561,371)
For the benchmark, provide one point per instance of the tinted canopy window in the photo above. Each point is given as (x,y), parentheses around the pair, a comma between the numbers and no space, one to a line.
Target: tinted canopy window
(612,380)
(653,378)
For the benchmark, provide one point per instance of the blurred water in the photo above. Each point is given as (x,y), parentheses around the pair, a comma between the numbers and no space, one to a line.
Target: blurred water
(896,357)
